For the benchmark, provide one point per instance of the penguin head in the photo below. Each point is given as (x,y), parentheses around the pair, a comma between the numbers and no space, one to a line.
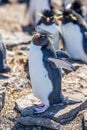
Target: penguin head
(47,17)
(66,16)
(40,38)
(77,6)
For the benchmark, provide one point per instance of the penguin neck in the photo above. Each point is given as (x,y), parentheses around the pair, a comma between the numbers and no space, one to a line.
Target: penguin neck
(49,49)
(68,20)
(42,22)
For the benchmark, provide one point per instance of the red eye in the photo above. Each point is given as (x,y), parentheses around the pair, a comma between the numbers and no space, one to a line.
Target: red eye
(43,37)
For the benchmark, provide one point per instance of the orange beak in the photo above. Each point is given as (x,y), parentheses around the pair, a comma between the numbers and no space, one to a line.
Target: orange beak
(37,35)
(60,18)
(47,19)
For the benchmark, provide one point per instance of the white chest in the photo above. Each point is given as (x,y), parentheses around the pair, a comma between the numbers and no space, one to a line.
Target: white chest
(54,30)
(41,84)
(73,41)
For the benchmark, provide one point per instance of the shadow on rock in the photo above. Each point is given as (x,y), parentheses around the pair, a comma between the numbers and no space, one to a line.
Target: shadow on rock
(62,113)
(29,29)
(3,77)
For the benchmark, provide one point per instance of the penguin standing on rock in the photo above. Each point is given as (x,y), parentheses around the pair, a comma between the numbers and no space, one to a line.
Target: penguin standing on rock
(45,72)
(35,7)
(48,23)
(73,29)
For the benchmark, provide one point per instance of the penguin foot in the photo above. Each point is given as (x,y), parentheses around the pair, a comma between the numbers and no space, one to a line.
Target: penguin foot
(40,109)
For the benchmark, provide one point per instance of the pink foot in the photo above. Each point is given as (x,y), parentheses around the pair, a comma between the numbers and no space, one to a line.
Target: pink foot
(40,109)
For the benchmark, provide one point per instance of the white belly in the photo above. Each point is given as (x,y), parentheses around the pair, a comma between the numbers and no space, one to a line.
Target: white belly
(37,6)
(54,30)
(73,41)
(41,84)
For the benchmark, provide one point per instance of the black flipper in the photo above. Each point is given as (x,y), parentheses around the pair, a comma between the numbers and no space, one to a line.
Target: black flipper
(61,63)
(62,54)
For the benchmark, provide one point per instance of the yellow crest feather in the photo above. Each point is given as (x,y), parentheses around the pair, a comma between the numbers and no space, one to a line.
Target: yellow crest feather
(40,14)
(73,17)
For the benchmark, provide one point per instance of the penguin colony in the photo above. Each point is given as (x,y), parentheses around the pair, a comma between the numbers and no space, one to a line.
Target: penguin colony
(45,58)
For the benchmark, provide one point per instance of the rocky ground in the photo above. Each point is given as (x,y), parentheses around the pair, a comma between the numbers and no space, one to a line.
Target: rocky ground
(15,31)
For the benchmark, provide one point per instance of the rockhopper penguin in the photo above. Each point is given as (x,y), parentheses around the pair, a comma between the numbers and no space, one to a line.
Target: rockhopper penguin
(35,7)
(74,29)
(48,23)
(45,71)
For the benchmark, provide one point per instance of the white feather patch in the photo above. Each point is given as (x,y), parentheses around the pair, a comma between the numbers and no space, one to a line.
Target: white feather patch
(41,84)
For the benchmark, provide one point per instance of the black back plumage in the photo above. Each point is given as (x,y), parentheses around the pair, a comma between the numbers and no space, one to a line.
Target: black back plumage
(77,6)
(54,75)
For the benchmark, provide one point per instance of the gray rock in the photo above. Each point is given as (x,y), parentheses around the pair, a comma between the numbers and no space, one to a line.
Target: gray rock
(60,113)
(26,102)
(38,121)
(2,97)
(85,120)
(16,39)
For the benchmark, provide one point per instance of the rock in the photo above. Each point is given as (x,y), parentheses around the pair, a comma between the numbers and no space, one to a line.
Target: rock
(26,102)
(38,121)
(60,113)
(76,124)
(84,91)
(2,97)
(85,120)
(4,124)
(16,39)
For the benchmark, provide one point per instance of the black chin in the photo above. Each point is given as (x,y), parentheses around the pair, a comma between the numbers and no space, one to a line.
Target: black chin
(38,42)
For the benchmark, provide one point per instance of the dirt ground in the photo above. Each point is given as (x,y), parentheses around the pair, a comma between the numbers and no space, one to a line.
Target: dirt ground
(13,18)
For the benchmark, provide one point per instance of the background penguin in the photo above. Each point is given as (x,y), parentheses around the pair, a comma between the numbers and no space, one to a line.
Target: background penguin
(78,7)
(48,23)
(3,64)
(45,72)
(73,32)
(35,7)
(4,1)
